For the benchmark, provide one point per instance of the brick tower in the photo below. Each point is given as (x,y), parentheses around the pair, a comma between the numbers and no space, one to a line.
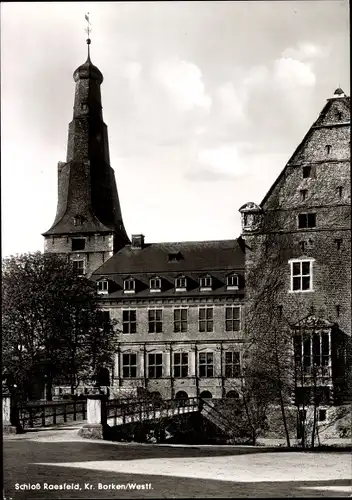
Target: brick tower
(88,223)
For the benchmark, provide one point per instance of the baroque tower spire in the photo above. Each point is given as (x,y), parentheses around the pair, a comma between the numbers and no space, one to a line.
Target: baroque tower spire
(88,222)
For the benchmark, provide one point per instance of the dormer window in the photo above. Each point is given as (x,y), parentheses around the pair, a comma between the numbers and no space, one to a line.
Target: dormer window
(174,256)
(206,283)
(232,282)
(78,220)
(102,287)
(129,285)
(181,284)
(155,284)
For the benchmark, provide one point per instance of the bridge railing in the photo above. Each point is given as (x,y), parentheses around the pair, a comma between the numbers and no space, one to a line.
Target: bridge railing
(140,409)
(51,413)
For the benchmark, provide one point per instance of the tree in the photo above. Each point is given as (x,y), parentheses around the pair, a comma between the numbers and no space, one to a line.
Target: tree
(52,326)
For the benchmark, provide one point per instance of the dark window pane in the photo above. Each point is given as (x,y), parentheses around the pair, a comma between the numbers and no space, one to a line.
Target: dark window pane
(296,268)
(201,313)
(209,357)
(311,220)
(185,358)
(133,327)
(302,220)
(184,326)
(236,312)
(177,371)
(133,371)
(125,315)
(306,172)
(133,315)
(202,357)
(229,326)
(202,326)
(125,328)
(151,372)
(210,371)
(305,283)
(177,327)
(184,314)
(159,371)
(202,371)
(184,371)
(305,268)
(228,371)
(296,283)
(228,313)
(177,358)
(78,244)
(159,359)
(158,314)
(159,327)
(228,357)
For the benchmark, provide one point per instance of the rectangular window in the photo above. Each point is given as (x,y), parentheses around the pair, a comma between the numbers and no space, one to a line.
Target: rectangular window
(304,193)
(232,282)
(79,267)
(129,365)
(307,172)
(155,283)
(206,364)
(338,242)
(206,282)
(78,244)
(155,365)
(129,285)
(306,353)
(306,221)
(233,319)
(129,321)
(181,283)
(340,190)
(103,286)
(180,320)
(205,319)
(180,364)
(325,354)
(155,320)
(232,364)
(104,317)
(301,276)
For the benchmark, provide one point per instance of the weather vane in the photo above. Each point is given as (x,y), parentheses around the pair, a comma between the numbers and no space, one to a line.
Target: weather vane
(88,30)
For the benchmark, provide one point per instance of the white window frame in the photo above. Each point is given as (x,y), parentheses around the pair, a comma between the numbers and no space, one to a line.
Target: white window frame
(155,284)
(129,289)
(155,365)
(129,366)
(180,321)
(181,366)
(207,322)
(181,284)
(206,283)
(230,285)
(206,364)
(81,259)
(311,274)
(232,319)
(102,287)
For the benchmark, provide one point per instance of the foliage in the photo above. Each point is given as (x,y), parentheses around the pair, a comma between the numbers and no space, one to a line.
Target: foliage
(51,323)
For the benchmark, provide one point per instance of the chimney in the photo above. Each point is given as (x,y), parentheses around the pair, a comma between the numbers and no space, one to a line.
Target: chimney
(137,241)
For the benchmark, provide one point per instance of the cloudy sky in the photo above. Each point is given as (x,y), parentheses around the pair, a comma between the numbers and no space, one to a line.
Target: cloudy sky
(205,103)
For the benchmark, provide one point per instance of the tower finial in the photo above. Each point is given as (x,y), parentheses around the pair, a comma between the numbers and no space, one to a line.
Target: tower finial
(88,31)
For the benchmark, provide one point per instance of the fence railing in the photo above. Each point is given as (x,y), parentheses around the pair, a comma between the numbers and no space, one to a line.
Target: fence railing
(118,409)
(51,413)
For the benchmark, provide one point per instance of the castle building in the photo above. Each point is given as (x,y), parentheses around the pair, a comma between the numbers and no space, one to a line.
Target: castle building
(180,306)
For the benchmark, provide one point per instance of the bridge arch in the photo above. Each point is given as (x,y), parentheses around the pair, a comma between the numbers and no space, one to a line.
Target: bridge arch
(232,394)
(205,395)
(181,395)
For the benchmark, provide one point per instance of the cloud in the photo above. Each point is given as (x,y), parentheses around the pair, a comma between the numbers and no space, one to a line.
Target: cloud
(291,73)
(184,82)
(224,160)
(306,51)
